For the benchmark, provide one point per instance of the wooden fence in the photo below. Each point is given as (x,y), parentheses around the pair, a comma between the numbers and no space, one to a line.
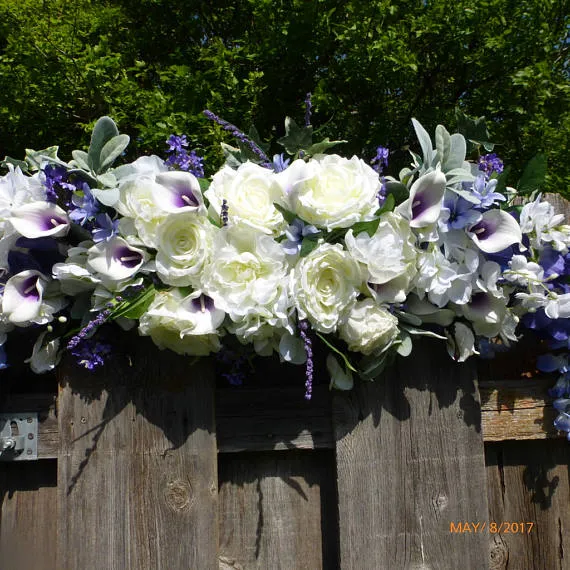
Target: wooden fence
(146,465)
(153,464)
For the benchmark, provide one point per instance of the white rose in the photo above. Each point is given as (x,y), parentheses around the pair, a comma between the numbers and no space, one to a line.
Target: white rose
(324,285)
(389,257)
(248,274)
(186,325)
(368,328)
(330,191)
(184,242)
(250,192)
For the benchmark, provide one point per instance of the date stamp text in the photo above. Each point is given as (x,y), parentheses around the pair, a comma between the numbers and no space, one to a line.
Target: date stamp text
(492,527)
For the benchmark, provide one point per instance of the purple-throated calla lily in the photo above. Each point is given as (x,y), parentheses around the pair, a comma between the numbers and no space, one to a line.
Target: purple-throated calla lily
(423,206)
(40,219)
(115,259)
(178,190)
(495,231)
(23,294)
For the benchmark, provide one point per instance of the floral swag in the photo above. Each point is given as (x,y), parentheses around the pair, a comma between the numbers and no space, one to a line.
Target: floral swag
(272,254)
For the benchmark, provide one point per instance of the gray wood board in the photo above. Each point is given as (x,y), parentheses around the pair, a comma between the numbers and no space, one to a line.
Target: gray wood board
(528,485)
(28,515)
(278,511)
(137,483)
(410,462)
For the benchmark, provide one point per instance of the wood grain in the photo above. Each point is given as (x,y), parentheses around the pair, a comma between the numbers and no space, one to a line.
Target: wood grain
(28,515)
(528,483)
(277,511)
(410,461)
(137,484)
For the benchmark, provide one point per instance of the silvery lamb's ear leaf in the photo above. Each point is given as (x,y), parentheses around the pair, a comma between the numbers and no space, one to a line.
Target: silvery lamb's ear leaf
(425,143)
(112,150)
(103,131)
(81,159)
(232,155)
(108,179)
(107,197)
(442,143)
(85,176)
(457,152)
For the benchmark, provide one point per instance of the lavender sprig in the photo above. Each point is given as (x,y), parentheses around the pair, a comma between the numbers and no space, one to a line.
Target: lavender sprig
(303,331)
(224,212)
(308,107)
(240,135)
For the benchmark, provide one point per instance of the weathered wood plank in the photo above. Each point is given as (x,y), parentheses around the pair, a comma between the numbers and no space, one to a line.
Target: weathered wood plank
(137,482)
(278,511)
(279,418)
(528,484)
(410,461)
(262,419)
(28,515)
(517,409)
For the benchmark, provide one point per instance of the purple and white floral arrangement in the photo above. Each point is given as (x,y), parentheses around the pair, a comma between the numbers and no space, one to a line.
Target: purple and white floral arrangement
(279,253)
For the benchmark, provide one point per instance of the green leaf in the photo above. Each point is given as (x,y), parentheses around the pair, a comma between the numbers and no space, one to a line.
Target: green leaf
(108,179)
(232,155)
(372,366)
(387,206)
(474,130)
(533,175)
(322,146)
(309,243)
(204,184)
(457,152)
(136,307)
(397,190)
(112,150)
(296,138)
(368,227)
(287,215)
(81,159)
(339,352)
(104,130)
(406,345)
(34,158)
(15,162)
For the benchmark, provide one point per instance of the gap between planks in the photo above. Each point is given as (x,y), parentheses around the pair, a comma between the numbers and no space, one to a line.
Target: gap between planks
(253,419)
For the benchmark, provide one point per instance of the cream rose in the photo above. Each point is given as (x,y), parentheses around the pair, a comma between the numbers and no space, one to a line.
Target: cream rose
(388,257)
(330,191)
(184,243)
(250,192)
(368,328)
(324,285)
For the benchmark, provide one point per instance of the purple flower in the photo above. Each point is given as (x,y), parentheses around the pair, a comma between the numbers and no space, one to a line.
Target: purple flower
(485,192)
(295,234)
(280,163)
(462,213)
(85,207)
(55,178)
(91,354)
(490,163)
(381,159)
(105,228)
(182,159)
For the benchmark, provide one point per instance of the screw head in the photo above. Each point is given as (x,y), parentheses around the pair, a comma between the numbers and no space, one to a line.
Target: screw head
(29,452)
(30,436)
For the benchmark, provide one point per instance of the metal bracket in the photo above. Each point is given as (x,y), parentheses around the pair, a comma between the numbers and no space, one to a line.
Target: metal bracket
(18,437)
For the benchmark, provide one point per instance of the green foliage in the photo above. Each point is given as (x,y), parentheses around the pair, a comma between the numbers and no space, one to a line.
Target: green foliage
(372,65)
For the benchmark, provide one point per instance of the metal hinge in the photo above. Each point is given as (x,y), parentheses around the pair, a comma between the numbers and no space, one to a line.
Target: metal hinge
(18,437)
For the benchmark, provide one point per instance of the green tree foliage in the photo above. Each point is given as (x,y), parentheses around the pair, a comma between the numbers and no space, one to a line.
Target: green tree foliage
(372,65)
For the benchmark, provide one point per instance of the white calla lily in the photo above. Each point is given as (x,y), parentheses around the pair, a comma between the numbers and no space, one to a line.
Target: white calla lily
(423,206)
(115,259)
(23,295)
(178,191)
(40,219)
(496,231)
